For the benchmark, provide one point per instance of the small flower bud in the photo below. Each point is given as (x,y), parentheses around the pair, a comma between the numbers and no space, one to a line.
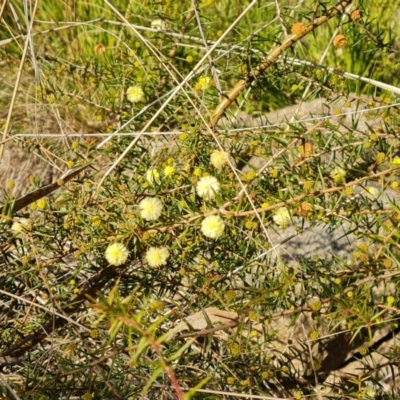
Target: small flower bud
(355,15)
(340,41)
(299,28)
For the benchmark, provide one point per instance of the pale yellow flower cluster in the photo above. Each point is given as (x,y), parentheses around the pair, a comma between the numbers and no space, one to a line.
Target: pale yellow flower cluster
(150,208)
(282,217)
(135,94)
(117,254)
(208,187)
(157,256)
(213,226)
(219,159)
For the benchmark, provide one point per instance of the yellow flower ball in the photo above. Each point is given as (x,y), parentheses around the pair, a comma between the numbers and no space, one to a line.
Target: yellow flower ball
(208,187)
(116,254)
(373,137)
(41,203)
(150,208)
(315,306)
(395,162)
(230,380)
(282,217)
(157,256)
(197,172)
(10,185)
(235,349)
(219,159)
(380,158)
(135,94)
(273,173)
(169,170)
(213,227)
(390,300)
(314,335)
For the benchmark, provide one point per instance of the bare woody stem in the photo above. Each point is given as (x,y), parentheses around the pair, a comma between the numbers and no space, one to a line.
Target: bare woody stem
(273,56)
